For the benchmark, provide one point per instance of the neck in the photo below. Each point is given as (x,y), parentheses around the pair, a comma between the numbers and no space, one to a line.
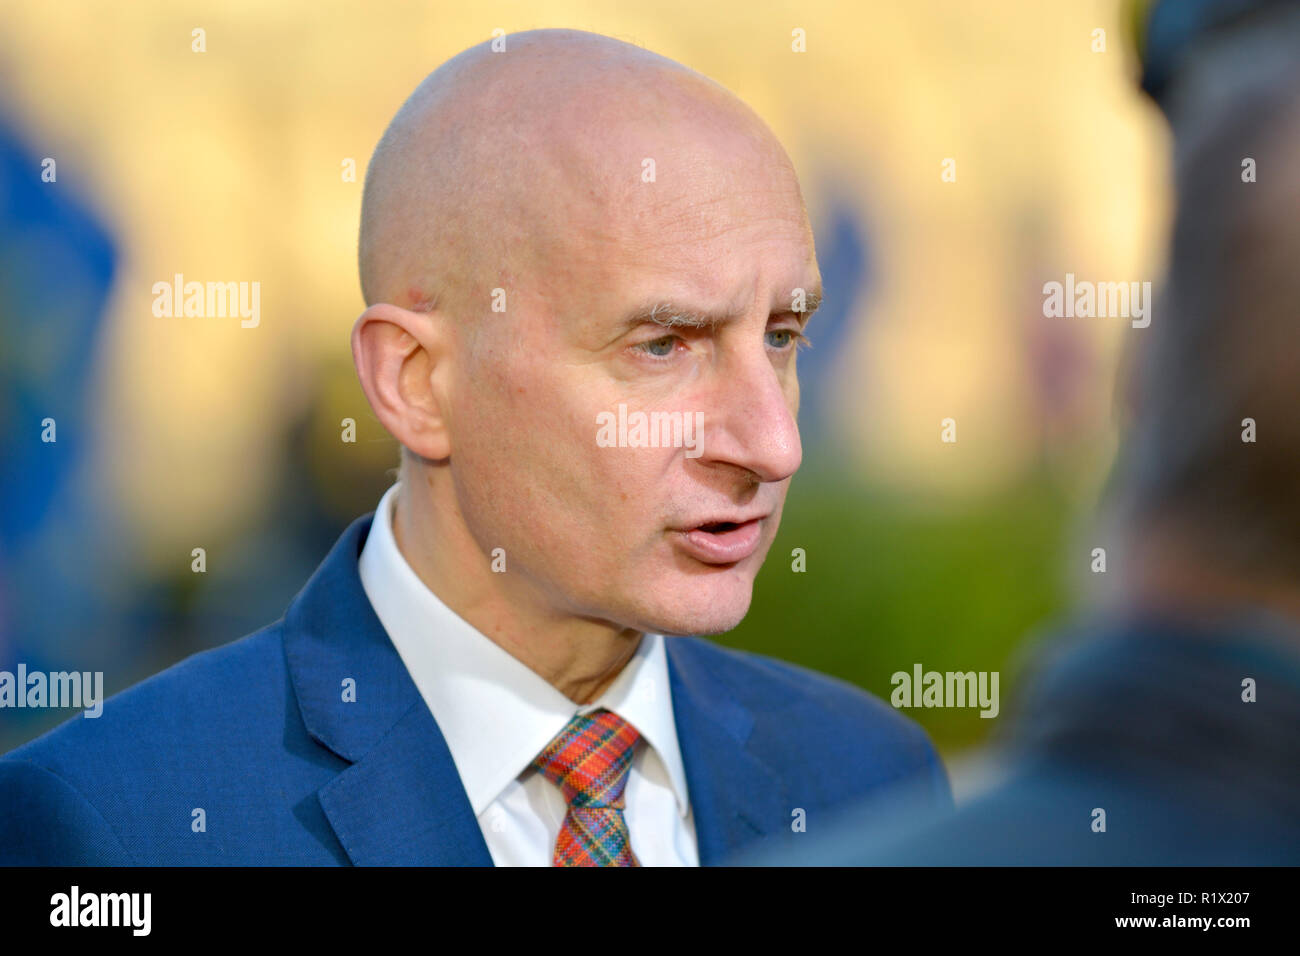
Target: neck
(1171,576)
(578,656)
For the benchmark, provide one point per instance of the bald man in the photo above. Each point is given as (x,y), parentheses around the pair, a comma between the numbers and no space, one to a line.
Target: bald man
(586,271)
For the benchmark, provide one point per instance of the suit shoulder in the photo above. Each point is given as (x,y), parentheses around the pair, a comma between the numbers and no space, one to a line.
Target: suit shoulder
(812,725)
(773,685)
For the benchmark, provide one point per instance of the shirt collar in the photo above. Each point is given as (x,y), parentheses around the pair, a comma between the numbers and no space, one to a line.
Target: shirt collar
(495,713)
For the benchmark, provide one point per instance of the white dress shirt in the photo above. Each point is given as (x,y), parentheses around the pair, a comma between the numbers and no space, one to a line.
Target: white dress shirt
(496,715)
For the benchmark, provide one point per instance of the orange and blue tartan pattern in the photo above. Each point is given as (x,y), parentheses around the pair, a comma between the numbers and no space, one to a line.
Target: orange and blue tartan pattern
(589,759)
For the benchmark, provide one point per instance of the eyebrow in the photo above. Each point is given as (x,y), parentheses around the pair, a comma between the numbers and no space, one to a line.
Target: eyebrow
(670,316)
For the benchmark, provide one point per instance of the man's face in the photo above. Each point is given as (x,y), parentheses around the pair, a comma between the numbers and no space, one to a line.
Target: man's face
(662,539)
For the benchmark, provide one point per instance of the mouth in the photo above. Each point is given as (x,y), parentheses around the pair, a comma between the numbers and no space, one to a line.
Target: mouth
(722,541)
(717,527)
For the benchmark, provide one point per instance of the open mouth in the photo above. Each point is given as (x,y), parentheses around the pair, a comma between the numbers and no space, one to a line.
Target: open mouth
(719,526)
(722,542)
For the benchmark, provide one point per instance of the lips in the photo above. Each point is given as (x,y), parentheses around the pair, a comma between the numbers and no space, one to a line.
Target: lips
(722,540)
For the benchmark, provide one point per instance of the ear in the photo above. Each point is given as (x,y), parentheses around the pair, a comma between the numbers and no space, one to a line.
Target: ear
(402,360)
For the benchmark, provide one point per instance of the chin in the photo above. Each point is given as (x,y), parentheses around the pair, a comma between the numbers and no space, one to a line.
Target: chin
(711,606)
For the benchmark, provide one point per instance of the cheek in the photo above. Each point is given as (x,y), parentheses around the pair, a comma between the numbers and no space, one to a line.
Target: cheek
(639,481)
(526,458)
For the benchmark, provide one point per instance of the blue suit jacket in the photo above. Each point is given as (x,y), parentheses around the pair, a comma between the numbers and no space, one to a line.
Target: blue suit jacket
(1144,719)
(257,735)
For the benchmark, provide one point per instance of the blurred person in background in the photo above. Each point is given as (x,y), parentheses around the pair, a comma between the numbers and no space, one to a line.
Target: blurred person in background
(1161,730)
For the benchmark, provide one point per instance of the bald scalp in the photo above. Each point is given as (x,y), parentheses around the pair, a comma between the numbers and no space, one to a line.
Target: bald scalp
(477,175)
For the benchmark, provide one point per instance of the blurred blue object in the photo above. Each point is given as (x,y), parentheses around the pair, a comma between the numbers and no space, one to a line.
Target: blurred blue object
(842,256)
(56,557)
(1174,27)
(56,268)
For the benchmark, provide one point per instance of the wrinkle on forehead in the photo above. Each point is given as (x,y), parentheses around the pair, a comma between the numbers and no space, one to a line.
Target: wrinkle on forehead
(497,159)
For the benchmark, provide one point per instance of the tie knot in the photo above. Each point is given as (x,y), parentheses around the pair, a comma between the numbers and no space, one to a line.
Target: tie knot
(589,759)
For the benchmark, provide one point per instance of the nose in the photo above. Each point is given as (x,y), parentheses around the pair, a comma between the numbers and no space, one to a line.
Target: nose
(749,422)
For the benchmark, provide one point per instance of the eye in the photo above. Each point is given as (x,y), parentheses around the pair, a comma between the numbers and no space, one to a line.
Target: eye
(658,348)
(784,338)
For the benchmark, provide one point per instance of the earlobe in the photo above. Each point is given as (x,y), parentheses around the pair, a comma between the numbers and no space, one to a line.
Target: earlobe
(396,352)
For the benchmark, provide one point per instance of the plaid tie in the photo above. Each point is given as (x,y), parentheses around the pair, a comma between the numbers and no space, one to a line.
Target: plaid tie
(590,759)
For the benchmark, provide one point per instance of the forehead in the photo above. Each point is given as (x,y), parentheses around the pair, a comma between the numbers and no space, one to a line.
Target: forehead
(707,218)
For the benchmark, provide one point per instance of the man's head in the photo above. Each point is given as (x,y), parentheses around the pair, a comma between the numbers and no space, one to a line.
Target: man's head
(1207,481)
(557,230)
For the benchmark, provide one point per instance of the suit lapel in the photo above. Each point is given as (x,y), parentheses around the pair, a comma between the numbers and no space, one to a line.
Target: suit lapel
(401,802)
(739,801)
